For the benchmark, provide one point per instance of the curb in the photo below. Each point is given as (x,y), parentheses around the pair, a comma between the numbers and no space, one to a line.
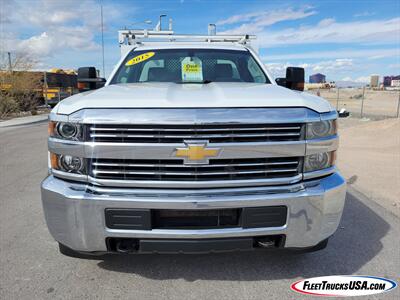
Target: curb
(44,118)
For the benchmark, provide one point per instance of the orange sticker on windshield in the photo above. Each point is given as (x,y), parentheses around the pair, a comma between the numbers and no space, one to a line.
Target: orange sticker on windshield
(139,58)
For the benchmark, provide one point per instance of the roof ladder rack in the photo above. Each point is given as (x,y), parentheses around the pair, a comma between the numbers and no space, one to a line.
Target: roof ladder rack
(131,37)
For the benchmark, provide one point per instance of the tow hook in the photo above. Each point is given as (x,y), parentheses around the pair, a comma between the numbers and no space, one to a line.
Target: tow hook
(126,246)
(265,243)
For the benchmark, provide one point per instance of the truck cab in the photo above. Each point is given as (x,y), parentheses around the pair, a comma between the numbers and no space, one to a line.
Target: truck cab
(191,146)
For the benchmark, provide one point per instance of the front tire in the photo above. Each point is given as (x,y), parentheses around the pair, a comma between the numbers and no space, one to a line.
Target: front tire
(320,246)
(69,252)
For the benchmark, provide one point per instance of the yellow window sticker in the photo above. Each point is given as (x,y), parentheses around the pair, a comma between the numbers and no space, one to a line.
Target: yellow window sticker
(140,58)
(192,69)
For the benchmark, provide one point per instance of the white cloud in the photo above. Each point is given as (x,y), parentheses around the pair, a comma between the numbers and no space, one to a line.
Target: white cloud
(62,26)
(5,7)
(380,31)
(340,53)
(326,22)
(325,67)
(361,79)
(256,21)
(337,64)
(36,44)
(394,66)
(364,14)
(363,32)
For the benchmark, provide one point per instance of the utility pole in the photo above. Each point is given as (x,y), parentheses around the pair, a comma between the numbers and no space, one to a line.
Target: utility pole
(337,100)
(102,39)
(398,106)
(362,102)
(9,61)
(46,101)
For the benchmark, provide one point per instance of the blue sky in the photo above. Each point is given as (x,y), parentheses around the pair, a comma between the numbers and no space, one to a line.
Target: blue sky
(346,40)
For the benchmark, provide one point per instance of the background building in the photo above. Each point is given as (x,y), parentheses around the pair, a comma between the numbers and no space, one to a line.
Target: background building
(395,83)
(387,80)
(317,78)
(374,81)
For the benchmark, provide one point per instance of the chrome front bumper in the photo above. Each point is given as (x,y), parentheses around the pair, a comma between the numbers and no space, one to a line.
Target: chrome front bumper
(75,212)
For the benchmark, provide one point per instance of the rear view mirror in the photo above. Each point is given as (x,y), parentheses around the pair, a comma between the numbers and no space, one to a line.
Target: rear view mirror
(88,80)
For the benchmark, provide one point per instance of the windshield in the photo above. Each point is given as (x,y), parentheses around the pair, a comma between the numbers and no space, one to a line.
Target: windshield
(189,66)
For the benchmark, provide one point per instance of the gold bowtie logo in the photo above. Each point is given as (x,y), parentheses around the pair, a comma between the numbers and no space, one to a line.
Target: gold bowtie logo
(196,153)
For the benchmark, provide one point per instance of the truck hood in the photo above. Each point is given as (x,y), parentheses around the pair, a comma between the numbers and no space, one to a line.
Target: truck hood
(173,95)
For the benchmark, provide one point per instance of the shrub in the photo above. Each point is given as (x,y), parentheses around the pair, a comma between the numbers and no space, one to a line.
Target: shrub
(7,105)
(20,87)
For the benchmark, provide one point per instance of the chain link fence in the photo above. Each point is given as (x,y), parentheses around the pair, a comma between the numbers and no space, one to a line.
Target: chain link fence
(363,102)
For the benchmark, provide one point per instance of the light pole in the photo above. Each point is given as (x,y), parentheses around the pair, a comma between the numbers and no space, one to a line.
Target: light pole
(161,16)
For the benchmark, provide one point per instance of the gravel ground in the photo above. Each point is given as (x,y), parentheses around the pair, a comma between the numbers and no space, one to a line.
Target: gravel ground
(369,158)
(31,267)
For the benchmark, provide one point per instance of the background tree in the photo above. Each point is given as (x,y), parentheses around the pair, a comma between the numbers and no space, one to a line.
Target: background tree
(20,86)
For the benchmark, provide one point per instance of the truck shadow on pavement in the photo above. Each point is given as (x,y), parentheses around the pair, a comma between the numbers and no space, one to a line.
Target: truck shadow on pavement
(357,241)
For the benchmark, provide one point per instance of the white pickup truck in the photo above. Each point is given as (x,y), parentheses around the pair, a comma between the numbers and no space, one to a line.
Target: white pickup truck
(191,146)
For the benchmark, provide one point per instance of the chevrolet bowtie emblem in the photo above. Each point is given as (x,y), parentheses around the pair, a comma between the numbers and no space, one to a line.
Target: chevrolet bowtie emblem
(196,152)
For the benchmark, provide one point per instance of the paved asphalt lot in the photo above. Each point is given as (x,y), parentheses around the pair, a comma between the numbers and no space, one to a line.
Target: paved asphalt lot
(31,267)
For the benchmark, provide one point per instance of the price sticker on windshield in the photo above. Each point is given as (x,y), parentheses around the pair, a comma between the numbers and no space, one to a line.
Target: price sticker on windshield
(140,58)
(192,69)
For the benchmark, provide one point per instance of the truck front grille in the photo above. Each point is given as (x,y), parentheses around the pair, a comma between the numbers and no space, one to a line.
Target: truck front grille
(215,133)
(175,170)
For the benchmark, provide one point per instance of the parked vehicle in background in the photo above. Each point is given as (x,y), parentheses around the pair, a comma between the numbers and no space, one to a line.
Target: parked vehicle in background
(59,84)
(191,146)
(48,87)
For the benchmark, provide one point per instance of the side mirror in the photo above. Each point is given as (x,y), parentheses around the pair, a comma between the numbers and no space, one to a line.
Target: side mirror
(88,80)
(295,78)
(281,81)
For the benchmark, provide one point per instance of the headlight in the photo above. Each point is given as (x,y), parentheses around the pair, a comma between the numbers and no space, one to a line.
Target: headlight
(67,130)
(321,129)
(67,163)
(63,130)
(319,161)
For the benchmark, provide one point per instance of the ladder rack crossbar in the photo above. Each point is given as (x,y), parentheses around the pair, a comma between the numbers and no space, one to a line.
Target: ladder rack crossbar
(131,37)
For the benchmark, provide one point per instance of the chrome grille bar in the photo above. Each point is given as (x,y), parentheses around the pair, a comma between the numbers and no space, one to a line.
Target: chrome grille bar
(191,129)
(198,136)
(175,170)
(215,133)
(192,173)
(189,166)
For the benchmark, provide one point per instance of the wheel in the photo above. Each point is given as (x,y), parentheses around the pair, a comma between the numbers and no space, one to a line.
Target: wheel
(319,246)
(78,254)
(68,251)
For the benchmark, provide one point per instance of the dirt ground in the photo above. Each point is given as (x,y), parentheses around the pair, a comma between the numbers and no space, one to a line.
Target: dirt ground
(369,158)
(377,104)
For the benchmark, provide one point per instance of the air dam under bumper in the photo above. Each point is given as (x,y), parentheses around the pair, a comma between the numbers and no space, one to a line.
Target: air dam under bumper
(75,214)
